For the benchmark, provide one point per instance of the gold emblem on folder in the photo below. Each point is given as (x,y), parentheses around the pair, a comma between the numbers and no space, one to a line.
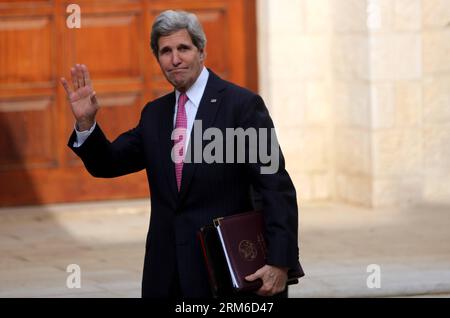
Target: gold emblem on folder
(247,250)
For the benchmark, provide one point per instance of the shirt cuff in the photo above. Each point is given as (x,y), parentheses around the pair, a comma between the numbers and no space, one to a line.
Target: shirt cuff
(82,135)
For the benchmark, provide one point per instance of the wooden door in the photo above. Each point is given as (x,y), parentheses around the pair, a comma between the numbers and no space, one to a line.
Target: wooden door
(37,48)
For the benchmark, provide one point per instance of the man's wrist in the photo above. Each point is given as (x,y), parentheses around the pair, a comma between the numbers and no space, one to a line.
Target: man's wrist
(84,125)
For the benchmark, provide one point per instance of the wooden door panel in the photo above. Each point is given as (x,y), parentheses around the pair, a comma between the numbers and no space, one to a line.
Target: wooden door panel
(37,48)
(26,50)
(119,113)
(97,45)
(214,23)
(26,141)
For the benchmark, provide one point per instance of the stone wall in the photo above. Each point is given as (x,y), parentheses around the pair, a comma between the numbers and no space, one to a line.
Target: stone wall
(359,92)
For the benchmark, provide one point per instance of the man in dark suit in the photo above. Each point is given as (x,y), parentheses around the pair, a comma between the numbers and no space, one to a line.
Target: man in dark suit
(187,195)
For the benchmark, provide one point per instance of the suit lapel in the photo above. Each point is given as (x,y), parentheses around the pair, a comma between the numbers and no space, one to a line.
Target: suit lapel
(207,111)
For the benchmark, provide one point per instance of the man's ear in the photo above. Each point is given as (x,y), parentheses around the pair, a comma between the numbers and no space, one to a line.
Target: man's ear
(203,54)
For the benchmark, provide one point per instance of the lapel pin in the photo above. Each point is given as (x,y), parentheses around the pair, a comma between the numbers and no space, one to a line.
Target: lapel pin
(213,100)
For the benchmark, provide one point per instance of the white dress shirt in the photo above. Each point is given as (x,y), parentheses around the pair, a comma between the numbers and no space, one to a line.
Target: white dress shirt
(194,93)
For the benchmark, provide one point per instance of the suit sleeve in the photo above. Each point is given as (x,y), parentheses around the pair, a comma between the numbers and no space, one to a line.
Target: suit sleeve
(275,187)
(105,159)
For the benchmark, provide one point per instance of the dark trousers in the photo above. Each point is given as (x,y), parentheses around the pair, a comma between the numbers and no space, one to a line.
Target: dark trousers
(175,287)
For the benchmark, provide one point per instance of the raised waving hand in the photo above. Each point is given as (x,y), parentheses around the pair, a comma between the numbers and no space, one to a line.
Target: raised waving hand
(81,97)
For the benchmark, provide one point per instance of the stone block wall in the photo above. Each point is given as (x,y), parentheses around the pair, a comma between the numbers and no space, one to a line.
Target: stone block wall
(359,92)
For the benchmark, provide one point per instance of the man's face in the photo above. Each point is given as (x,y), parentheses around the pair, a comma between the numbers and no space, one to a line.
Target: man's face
(179,59)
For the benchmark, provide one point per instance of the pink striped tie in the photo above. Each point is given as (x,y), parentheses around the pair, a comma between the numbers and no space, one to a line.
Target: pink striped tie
(180,126)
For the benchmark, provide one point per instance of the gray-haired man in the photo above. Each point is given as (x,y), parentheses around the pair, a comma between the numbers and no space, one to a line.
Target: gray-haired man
(189,195)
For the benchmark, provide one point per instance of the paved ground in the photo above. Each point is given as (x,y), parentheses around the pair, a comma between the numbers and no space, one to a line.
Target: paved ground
(338,242)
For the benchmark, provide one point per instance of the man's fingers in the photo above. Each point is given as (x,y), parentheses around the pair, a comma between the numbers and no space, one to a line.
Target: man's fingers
(66,86)
(269,289)
(73,75)
(251,277)
(80,77)
(272,281)
(265,290)
(86,76)
(258,274)
(94,98)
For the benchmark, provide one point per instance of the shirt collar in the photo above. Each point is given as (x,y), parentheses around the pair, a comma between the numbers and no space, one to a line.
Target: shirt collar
(195,92)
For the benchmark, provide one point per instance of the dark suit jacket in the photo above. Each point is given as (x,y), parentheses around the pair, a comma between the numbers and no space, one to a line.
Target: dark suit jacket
(207,190)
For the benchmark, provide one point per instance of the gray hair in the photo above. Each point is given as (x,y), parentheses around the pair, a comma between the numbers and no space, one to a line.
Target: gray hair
(171,21)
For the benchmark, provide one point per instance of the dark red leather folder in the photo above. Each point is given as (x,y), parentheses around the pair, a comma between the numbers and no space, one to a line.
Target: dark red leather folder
(234,248)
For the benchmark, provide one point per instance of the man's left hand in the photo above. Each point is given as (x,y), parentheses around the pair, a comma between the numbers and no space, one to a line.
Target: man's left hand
(274,279)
